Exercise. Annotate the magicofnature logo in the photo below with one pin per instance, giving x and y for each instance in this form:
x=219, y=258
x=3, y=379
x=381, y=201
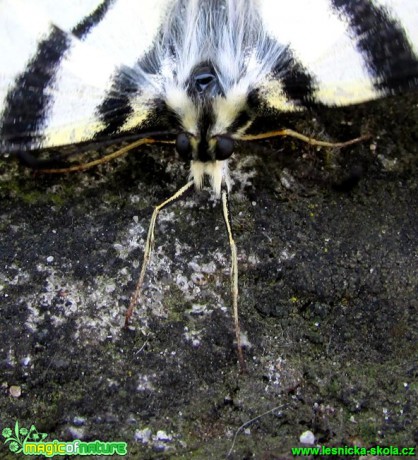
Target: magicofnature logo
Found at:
x=30, y=441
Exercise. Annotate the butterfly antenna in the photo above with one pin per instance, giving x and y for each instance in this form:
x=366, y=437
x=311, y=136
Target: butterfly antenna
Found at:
x=303, y=138
x=104, y=159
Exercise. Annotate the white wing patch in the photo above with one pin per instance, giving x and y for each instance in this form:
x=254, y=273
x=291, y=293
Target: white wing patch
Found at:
x=321, y=41
x=18, y=38
x=81, y=84
x=128, y=30
x=85, y=75
x=63, y=13
x=24, y=24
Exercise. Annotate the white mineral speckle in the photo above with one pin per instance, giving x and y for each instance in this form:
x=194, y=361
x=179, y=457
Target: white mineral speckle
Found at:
x=15, y=391
x=79, y=421
x=307, y=437
x=198, y=309
x=143, y=436
x=76, y=432
x=25, y=361
x=163, y=436
x=144, y=383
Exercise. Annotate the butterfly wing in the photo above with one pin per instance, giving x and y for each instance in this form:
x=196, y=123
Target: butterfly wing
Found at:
x=342, y=52
x=58, y=84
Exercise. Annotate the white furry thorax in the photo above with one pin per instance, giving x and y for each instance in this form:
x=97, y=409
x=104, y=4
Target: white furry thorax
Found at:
x=230, y=36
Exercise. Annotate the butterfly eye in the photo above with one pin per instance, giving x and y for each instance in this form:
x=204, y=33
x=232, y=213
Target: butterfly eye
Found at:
x=224, y=147
x=184, y=147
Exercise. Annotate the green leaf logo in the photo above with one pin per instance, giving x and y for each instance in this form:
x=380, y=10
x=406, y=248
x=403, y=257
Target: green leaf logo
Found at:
x=16, y=442
x=17, y=436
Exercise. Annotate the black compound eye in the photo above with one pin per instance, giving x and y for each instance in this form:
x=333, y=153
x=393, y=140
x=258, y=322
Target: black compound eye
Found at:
x=224, y=147
x=183, y=146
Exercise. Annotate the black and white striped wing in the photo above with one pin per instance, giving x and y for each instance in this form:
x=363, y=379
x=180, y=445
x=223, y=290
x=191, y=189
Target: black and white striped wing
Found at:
x=81, y=70
x=342, y=52
x=58, y=62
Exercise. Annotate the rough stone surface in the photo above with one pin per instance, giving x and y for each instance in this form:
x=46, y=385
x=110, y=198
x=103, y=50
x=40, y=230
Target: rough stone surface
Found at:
x=327, y=246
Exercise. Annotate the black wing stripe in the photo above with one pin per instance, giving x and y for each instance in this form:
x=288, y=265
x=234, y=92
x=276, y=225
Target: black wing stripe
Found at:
x=27, y=102
x=241, y=121
x=382, y=43
x=116, y=107
x=84, y=27
x=298, y=83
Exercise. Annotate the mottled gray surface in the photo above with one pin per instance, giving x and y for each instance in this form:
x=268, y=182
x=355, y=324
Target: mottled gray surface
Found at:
x=327, y=244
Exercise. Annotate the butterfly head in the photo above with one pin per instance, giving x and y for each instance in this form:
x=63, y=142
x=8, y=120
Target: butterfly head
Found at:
x=208, y=116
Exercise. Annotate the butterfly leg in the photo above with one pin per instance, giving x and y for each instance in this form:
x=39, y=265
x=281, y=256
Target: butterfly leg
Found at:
x=234, y=274
x=149, y=246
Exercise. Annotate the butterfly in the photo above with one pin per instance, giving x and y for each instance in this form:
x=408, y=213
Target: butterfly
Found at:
x=194, y=73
